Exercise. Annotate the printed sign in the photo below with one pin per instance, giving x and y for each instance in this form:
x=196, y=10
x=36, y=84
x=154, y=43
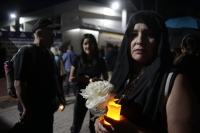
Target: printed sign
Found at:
x=12, y=41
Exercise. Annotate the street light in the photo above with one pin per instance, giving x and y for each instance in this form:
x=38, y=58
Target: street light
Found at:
x=12, y=15
x=115, y=5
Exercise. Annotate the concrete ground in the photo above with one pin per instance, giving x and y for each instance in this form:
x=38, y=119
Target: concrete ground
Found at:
x=9, y=114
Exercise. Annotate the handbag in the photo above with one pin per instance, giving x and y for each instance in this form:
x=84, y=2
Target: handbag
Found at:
x=62, y=68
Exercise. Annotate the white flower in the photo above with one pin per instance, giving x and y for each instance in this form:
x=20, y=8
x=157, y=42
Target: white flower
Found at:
x=98, y=94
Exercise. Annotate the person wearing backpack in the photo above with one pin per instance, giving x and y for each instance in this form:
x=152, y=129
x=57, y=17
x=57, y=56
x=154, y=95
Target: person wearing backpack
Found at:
x=37, y=88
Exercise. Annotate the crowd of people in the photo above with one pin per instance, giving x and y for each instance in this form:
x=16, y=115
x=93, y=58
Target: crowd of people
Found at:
x=139, y=70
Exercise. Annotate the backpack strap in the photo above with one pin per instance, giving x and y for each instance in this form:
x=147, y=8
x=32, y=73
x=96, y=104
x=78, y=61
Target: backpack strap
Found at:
x=167, y=85
x=32, y=51
x=14, y=56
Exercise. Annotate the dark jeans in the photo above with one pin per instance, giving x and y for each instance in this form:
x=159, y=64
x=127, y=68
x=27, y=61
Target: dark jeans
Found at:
x=40, y=123
x=42, y=118
x=80, y=111
x=68, y=85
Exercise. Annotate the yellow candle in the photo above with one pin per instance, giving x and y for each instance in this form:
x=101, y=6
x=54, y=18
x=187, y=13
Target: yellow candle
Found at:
x=113, y=111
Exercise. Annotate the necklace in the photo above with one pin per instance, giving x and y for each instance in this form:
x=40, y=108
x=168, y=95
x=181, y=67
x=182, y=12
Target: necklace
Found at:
x=131, y=86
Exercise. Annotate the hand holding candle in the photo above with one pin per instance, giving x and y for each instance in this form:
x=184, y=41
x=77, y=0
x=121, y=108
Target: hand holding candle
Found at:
x=120, y=126
x=113, y=111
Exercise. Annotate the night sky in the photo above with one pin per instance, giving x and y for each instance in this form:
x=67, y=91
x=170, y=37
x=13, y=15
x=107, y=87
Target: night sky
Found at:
x=167, y=8
x=24, y=6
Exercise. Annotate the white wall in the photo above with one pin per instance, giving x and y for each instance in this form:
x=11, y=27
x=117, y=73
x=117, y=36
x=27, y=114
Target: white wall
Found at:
x=106, y=37
x=96, y=8
x=71, y=37
x=104, y=23
x=93, y=32
x=70, y=20
x=27, y=27
x=12, y=28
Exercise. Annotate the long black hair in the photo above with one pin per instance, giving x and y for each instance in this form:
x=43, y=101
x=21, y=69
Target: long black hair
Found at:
x=95, y=53
x=191, y=45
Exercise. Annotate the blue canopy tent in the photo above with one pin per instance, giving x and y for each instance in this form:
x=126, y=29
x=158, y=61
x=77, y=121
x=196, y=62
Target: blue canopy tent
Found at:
x=183, y=22
x=180, y=27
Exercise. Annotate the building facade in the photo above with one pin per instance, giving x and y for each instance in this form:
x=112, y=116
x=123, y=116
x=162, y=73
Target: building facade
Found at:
x=76, y=18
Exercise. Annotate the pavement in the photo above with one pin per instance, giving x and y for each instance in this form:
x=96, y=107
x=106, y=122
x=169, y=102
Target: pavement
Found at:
x=9, y=114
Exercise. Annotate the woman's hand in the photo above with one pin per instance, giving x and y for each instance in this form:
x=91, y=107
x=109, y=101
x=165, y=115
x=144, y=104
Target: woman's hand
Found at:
x=98, y=126
x=122, y=126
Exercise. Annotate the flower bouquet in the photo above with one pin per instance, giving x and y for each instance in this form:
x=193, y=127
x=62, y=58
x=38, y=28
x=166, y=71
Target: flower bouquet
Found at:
x=99, y=96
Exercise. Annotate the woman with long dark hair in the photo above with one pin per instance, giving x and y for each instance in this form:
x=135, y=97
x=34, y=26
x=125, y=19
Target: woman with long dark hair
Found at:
x=189, y=62
x=139, y=78
x=189, y=46
x=87, y=67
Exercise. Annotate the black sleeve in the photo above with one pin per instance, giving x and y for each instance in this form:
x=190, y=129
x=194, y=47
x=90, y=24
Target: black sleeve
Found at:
x=76, y=61
x=22, y=64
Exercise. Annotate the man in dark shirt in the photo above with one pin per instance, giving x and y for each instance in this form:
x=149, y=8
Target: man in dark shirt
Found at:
x=36, y=83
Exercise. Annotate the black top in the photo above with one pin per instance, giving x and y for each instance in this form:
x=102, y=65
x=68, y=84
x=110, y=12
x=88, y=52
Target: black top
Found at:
x=38, y=72
x=88, y=69
x=190, y=66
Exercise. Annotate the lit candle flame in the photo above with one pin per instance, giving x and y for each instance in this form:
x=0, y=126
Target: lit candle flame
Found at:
x=61, y=107
x=113, y=112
